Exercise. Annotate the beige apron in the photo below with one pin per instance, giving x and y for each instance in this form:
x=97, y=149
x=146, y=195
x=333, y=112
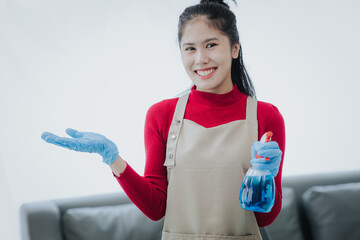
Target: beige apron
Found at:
x=205, y=168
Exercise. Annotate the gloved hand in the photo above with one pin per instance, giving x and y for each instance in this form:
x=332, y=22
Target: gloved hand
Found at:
x=270, y=150
x=85, y=142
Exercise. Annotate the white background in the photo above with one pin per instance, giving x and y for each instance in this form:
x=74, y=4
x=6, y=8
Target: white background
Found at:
x=98, y=66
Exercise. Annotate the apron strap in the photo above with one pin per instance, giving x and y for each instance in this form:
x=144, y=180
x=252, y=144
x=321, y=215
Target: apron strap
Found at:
x=251, y=109
x=174, y=130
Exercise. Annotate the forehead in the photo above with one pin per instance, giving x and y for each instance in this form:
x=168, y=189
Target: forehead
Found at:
x=199, y=29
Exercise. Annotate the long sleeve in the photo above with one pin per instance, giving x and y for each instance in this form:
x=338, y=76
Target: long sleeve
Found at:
x=270, y=119
x=148, y=192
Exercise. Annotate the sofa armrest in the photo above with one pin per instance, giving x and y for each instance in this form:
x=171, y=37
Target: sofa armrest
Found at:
x=40, y=220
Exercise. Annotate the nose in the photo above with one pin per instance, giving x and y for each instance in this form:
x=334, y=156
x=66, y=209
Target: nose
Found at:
x=201, y=57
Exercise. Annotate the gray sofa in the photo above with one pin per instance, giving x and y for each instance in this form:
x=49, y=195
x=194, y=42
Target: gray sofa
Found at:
x=318, y=206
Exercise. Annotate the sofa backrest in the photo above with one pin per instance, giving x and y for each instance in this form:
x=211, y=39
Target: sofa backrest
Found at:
x=121, y=222
x=296, y=221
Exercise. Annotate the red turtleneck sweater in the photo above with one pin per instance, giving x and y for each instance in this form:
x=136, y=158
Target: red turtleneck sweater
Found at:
x=148, y=192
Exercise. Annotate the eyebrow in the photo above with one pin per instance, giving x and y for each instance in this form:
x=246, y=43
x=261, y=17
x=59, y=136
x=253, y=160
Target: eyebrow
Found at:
x=205, y=41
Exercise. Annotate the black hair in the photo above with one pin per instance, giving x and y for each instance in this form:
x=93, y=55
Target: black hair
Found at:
x=223, y=19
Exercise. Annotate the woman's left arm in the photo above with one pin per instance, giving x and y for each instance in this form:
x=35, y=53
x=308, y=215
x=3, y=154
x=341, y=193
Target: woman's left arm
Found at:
x=270, y=119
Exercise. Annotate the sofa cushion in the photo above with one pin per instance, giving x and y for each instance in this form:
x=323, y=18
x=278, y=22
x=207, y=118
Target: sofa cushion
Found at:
x=333, y=211
x=110, y=222
x=286, y=225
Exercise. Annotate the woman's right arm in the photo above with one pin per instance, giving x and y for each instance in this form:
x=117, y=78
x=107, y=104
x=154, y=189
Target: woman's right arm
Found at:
x=148, y=192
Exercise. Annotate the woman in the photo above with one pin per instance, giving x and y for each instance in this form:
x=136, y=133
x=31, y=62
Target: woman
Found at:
x=199, y=146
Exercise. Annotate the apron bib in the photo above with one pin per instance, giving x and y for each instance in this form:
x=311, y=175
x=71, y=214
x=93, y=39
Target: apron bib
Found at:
x=205, y=169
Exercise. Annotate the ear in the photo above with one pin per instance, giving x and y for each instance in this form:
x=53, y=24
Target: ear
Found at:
x=235, y=50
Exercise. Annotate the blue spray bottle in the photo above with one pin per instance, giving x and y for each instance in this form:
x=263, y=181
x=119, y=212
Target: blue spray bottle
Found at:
x=257, y=191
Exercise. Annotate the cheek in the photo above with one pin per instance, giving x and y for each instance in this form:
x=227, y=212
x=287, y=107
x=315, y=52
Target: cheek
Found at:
x=225, y=61
x=222, y=56
x=187, y=63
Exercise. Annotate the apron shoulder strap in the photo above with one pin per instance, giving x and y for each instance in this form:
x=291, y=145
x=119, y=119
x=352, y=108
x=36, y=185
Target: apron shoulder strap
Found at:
x=174, y=130
x=251, y=109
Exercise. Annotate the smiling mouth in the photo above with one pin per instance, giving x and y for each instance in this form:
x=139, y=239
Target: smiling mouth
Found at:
x=206, y=73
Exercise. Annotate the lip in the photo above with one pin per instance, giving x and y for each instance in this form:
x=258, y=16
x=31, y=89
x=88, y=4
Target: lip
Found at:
x=205, y=69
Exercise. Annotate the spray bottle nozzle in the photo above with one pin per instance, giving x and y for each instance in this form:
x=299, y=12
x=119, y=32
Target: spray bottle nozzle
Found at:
x=264, y=139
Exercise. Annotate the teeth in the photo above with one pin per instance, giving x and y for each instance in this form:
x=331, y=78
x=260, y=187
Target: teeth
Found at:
x=205, y=73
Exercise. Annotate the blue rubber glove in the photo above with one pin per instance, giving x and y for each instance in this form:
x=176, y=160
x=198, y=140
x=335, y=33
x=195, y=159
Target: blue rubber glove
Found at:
x=270, y=150
x=85, y=142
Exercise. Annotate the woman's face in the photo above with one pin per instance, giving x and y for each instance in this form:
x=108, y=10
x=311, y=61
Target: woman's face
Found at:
x=207, y=55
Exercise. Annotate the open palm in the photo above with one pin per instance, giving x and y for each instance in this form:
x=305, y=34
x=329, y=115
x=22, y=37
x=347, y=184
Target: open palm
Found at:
x=85, y=142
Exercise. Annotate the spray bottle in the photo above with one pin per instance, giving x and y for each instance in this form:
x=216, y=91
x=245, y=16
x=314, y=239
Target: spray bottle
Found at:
x=257, y=191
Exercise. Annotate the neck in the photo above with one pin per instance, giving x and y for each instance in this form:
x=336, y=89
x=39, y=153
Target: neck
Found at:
x=213, y=100
x=222, y=89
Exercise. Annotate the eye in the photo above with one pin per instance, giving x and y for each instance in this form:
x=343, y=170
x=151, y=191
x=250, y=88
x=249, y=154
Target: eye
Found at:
x=189, y=49
x=210, y=45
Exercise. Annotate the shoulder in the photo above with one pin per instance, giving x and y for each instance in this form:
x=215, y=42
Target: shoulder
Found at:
x=159, y=117
x=270, y=119
x=163, y=108
x=268, y=111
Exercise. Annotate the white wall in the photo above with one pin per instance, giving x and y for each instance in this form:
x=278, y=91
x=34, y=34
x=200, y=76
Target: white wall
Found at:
x=98, y=66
